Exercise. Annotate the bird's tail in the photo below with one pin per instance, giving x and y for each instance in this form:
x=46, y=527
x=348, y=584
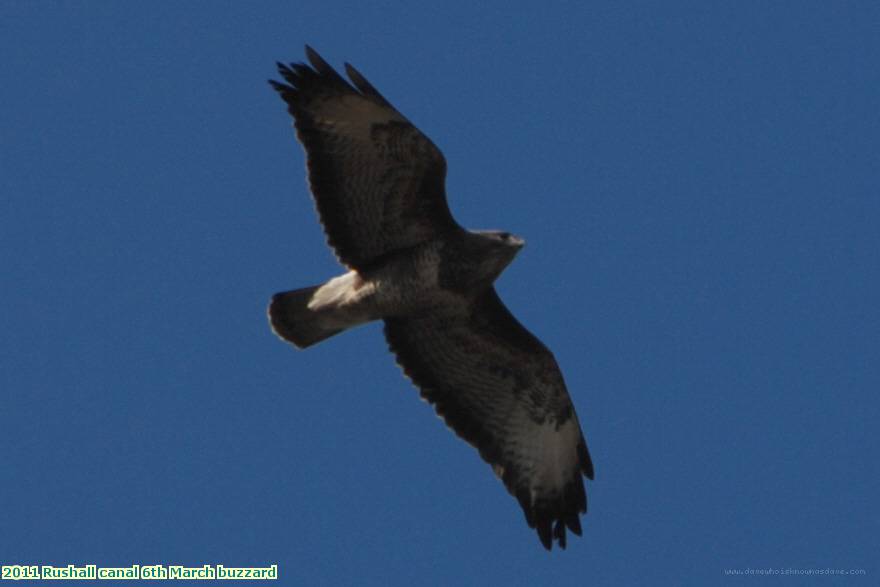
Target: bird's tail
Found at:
x=292, y=320
x=312, y=314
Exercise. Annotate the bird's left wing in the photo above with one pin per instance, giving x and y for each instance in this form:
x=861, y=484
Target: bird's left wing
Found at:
x=500, y=389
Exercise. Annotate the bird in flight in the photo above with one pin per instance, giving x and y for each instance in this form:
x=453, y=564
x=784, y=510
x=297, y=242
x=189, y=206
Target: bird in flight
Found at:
x=379, y=188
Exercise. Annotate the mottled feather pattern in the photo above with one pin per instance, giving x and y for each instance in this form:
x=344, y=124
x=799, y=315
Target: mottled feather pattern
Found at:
x=481, y=372
x=378, y=182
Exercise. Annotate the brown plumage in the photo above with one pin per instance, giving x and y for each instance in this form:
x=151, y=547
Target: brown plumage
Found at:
x=379, y=187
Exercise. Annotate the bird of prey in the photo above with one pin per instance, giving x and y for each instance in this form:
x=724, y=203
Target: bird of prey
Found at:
x=379, y=188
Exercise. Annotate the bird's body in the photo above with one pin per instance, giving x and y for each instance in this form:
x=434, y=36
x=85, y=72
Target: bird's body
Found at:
x=378, y=184
x=438, y=276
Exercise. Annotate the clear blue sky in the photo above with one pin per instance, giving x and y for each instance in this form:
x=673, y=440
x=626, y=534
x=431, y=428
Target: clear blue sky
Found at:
x=698, y=186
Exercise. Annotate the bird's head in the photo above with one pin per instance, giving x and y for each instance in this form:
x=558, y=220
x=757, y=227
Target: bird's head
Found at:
x=505, y=239
x=498, y=248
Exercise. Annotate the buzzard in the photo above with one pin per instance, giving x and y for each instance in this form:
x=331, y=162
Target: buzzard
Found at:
x=379, y=187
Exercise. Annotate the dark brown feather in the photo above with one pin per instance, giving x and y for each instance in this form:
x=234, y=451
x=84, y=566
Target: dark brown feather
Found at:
x=378, y=182
x=489, y=378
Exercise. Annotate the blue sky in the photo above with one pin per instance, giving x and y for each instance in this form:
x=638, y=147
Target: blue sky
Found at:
x=698, y=186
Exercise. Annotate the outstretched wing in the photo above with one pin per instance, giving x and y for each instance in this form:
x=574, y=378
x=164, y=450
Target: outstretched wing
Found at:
x=500, y=389
x=378, y=182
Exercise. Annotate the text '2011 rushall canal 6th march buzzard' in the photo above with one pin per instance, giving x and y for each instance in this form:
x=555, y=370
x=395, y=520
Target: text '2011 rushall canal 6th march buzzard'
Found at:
x=379, y=187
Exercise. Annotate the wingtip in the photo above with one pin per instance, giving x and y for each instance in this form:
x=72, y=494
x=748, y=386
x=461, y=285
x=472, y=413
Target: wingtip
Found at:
x=573, y=522
x=545, y=534
x=586, y=461
x=365, y=87
x=559, y=534
x=316, y=60
x=550, y=531
x=284, y=70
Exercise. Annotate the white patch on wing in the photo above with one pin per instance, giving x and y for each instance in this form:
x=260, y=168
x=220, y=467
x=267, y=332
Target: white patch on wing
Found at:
x=553, y=455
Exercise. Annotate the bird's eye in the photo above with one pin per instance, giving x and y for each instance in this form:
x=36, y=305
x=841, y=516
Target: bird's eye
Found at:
x=504, y=236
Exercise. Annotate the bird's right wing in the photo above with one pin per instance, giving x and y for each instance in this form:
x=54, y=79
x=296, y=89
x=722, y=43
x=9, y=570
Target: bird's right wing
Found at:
x=378, y=182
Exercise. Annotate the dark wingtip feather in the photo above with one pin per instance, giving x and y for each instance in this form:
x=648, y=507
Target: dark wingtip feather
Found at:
x=586, y=461
x=314, y=58
x=574, y=523
x=286, y=71
x=306, y=80
x=545, y=533
x=522, y=496
x=552, y=517
x=323, y=68
x=366, y=88
x=559, y=534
